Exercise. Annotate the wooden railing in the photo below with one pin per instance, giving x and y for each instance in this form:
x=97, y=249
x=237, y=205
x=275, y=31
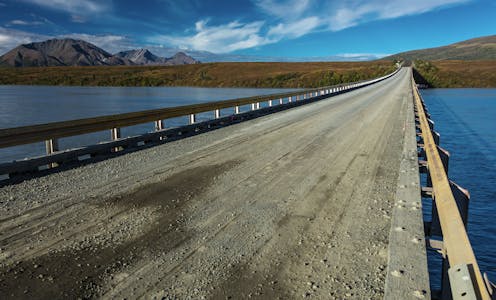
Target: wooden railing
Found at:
x=462, y=277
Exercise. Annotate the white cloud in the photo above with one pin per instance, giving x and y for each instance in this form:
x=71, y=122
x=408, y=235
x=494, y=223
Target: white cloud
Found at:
x=10, y=38
x=4, y=38
x=352, y=13
x=221, y=38
x=285, y=8
x=110, y=43
x=236, y=36
x=72, y=6
x=25, y=23
x=295, y=18
x=294, y=29
x=362, y=56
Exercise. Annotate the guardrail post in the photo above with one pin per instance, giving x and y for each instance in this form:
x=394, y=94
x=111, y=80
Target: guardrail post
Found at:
x=236, y=110
x=115, y=134
x=159, y=125
x=444, y=155
x=217, y=113
x=253, y=106
x=192, y=119
x=281, y=101
x=290, y=99
x=52, y=146
x=462, y=198
x=436, y=137
x=431, y=124
x=258, y=105
x=270, y=103
x=445, y=280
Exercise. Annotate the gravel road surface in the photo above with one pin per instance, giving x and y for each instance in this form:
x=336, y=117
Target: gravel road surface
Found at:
x=291, y=205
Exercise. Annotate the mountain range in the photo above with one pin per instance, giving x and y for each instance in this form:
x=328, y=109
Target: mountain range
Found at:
x=71, y=52
x=481, y=48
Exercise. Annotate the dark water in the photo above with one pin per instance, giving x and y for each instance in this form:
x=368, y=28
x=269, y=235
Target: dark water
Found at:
x=466, y=120
x=28, y=105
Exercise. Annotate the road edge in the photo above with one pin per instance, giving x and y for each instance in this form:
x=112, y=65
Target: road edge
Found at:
x=407, y=274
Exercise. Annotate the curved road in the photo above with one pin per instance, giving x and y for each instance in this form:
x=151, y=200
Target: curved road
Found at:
x=290, y=205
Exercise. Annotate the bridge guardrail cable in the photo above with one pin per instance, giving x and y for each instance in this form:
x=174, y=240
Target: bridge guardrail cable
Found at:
x=456, y=243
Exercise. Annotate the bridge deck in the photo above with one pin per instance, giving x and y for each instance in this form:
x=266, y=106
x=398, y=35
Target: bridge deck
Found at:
x=293, y=204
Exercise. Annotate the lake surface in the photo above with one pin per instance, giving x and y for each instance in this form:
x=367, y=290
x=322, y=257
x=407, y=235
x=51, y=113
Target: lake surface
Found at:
x=466, y=120
x=28, y=105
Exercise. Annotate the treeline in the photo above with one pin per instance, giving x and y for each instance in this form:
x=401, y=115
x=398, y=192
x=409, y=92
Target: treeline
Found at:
x=256, y=75
x=457, y=74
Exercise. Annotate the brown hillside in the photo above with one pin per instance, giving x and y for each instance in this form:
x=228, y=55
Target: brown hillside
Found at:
x=482, y=48
x=451, y=74
x=282, y=75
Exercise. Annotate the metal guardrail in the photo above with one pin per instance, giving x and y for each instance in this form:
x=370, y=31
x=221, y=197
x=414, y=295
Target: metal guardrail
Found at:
x=461, y=278
x=51, y=132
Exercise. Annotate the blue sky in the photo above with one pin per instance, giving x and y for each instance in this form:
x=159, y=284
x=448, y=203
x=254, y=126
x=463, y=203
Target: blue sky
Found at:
x=351, y=29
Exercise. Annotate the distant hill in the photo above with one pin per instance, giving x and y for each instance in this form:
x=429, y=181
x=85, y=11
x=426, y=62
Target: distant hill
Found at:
x=145, y=57
x=141, y=57
x=482, y=48
x=63, y=52
x=70, y=52
x=181, y=58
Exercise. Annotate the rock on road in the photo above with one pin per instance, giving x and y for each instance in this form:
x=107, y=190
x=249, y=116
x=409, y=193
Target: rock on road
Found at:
x=290, y=205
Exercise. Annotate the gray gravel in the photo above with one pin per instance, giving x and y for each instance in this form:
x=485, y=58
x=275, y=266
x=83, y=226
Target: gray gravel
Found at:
x=292, y=205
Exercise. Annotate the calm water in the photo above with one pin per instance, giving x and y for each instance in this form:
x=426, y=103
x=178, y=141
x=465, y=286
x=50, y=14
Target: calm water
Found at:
x=466, y=120
x=27, y=105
